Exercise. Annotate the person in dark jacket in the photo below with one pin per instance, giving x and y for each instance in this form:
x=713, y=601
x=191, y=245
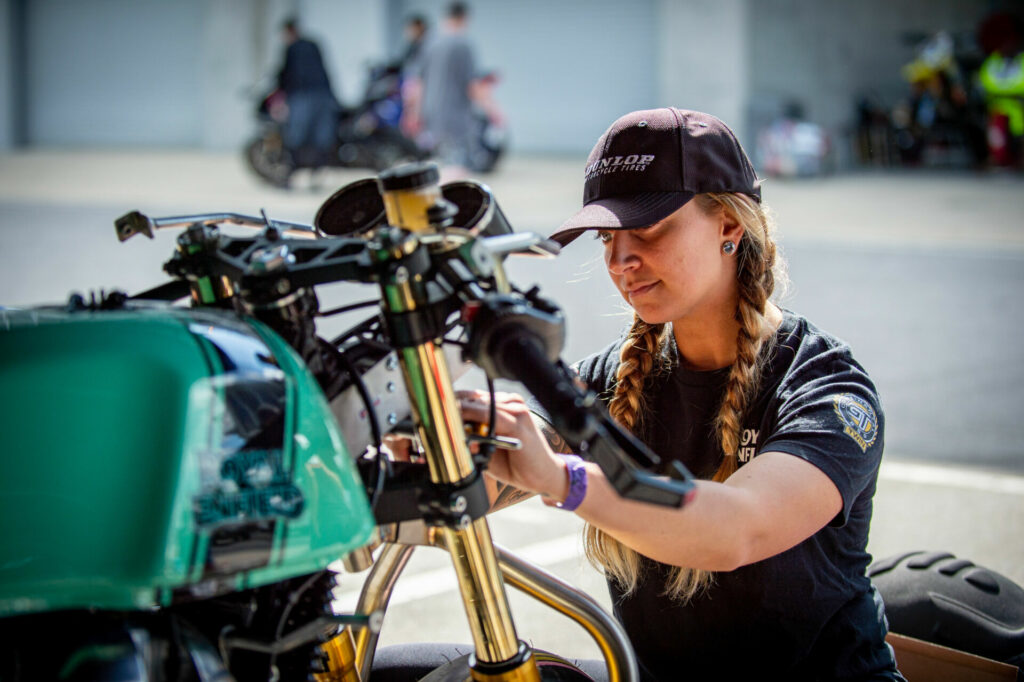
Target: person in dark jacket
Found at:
x=312, y=108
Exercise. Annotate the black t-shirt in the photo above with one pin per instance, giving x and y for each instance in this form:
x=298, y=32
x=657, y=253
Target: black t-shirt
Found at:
x=809, y=612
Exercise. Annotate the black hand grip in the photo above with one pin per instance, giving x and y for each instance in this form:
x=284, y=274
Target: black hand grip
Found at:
x=523, y=357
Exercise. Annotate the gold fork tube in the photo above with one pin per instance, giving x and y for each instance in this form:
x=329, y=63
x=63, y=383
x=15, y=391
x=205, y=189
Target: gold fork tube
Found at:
x=408, y=200
x=436, y=413
x=440, y=428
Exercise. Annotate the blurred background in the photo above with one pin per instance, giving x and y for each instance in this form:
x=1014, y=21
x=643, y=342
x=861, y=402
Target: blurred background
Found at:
x=885, y=82
x=889, y=133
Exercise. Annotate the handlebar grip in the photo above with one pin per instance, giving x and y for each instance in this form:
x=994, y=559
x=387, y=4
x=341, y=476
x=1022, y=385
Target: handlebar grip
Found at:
x=523, y=357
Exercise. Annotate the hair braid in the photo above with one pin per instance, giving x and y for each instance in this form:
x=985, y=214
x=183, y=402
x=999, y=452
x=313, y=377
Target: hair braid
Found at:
x=756, y=258
x=756, y=270
x=637, y=360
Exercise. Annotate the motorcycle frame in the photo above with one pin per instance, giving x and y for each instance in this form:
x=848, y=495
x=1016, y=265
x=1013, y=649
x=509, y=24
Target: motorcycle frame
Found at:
x=394, y=555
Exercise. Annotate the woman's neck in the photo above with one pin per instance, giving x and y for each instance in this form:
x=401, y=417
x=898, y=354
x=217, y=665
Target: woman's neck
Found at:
x=708, y=341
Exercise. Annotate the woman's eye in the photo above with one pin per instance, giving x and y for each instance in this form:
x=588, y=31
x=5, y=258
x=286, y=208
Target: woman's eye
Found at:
x=603, y=236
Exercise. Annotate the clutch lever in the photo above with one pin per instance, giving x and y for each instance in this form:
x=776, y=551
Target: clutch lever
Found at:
x=522, y=243
x=131, y=224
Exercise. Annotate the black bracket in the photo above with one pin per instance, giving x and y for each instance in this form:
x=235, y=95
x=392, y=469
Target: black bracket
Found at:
x=455, y=505
x=418, y=326
x=409, y=494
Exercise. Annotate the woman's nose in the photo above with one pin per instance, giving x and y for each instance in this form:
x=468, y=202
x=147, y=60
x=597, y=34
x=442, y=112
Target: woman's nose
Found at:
x=619, y=256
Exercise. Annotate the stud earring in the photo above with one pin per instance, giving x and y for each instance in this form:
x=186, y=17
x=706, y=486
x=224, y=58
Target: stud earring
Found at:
x=728, y=248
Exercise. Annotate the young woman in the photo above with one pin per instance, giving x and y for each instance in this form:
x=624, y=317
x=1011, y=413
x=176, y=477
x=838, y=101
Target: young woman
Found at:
x=762, y=575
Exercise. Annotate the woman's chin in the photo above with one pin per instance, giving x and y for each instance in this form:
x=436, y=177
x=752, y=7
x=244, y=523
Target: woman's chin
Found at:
x=651, y=315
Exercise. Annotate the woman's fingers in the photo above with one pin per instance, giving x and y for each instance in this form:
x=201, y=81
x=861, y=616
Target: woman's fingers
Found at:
x=399, y=446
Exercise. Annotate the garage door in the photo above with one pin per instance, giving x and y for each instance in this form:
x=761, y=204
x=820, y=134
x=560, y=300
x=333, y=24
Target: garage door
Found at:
x=113, y=72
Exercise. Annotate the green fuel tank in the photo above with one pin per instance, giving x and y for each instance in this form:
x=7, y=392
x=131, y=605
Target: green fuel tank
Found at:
x=157, y=453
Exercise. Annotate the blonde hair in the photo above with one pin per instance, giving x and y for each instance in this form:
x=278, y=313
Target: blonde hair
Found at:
x=758, y=269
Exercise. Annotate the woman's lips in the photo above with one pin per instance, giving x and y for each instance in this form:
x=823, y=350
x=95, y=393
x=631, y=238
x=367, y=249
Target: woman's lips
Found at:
x=639, y=290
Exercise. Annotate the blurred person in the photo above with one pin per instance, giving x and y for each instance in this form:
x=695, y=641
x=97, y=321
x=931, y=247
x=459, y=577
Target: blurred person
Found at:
x=1002, y=78
x=416, y=33
x=763, y=574
x=311, y=128
x=937, y=123
x=440, y=103
x=792, y=146
x=410, y=66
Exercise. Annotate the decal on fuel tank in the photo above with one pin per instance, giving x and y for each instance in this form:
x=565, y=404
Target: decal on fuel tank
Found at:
x=254, y=485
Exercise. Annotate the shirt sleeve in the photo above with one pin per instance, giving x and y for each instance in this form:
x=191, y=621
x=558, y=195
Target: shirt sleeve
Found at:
x=832, y=418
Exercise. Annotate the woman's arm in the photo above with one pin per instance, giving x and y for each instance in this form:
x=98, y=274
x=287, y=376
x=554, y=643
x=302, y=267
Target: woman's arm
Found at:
x=771, y=504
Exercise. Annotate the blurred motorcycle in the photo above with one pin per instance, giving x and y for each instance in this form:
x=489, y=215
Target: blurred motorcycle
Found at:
x=367, y=134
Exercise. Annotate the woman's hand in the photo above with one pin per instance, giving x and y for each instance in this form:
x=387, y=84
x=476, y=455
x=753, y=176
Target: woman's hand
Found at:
x=534, y=468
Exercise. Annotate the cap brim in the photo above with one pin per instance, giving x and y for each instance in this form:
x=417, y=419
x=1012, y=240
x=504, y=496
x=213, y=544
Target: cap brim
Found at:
x=621, y=213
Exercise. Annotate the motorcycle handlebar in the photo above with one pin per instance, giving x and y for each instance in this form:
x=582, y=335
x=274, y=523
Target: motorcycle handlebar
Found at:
x=514, y=340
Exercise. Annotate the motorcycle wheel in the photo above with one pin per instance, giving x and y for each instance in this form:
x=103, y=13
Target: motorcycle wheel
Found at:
x=552, y=668
x=270, y=160
x=488, y=147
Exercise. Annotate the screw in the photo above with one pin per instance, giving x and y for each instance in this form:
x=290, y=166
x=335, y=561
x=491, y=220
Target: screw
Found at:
x=459, y=504
x=392, y=418
x=392, y=387
x=376, y=621
x=465, y=522
x=391, y=363
x=401, y=274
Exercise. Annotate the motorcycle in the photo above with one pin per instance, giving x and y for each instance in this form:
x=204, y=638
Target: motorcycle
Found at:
x=177, y=481
x=367, y=135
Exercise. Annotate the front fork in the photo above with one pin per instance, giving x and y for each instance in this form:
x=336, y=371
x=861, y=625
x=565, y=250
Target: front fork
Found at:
x=411, y=202
x=498, y=652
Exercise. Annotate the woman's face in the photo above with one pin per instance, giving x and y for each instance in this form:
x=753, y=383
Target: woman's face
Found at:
x=675, y=270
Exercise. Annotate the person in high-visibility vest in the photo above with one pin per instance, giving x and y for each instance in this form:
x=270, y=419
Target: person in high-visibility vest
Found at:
x=1001, y=77
x=1003, y=81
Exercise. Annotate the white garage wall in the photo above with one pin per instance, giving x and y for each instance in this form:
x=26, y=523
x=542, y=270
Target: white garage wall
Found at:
x=568, y=67
x=114, y=72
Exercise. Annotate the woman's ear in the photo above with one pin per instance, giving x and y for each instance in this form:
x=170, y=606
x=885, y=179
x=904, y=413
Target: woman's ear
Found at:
x=732, y=230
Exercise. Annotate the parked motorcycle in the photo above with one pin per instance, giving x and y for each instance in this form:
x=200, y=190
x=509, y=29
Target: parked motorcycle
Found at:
x=368, y=135
x=176, y=480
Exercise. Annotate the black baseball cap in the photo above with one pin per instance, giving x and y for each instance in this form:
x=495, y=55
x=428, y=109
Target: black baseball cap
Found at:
x=649, y=163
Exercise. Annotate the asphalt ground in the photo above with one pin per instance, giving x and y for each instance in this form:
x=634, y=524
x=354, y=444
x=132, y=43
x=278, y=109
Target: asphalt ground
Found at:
x=920, y=271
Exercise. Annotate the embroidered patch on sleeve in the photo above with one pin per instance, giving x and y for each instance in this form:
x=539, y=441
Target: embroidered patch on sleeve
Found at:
x=858, y=419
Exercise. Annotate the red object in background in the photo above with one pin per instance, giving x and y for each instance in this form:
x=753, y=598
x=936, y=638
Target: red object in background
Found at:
x=998, y=135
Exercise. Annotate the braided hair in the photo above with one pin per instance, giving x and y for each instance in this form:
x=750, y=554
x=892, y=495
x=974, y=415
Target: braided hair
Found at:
x=757, y=268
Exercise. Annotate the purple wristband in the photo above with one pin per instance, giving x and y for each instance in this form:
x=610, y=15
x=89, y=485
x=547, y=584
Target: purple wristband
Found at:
x=577, y=483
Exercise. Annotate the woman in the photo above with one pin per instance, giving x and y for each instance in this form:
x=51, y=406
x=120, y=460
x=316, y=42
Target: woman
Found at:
x=762, y=576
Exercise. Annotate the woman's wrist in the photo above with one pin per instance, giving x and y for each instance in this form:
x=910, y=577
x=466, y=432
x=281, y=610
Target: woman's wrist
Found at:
x=573, y=486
